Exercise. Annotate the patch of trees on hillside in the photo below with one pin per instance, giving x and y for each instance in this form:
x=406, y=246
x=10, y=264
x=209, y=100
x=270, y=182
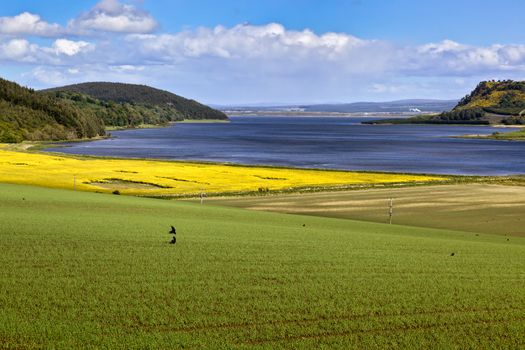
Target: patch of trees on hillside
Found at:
x=463, y=115
x=126, y=115
x=26, y=114
x=83, y=110
x=505, y=97
x=141, y=97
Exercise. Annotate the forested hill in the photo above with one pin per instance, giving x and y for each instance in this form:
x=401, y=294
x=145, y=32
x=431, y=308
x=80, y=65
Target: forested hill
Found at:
x=83, y=110
x=29, y=115
x=491, y=102
x=168, y=106
x=498, y=97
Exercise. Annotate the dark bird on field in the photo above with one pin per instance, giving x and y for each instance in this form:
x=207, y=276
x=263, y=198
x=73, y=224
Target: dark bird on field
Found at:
x=304, y=225
x=173, y=231
x=452, y=254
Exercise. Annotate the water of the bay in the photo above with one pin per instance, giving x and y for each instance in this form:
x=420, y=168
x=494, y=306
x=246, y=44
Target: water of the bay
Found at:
x=319, y=142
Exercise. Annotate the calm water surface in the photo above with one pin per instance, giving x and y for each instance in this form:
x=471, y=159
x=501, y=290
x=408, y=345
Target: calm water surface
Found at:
x=319, y=142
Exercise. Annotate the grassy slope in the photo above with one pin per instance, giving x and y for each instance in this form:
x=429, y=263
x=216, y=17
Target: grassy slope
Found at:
x=84, y=270
x=518, y=135
x=496, y=209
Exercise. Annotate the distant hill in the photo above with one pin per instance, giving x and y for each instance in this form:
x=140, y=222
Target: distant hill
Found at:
x=388, y=107
x=140, y=104
x=123, y=115
x=401, y=106
x=497, y=98
x=491, y=102
x=26, y=114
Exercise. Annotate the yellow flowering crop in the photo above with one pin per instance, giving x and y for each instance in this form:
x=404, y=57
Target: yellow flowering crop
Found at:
x=153, y=177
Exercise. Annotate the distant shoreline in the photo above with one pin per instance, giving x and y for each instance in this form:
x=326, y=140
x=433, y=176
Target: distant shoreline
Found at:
x=157, y=126
x=518, y=135
x=317, y=114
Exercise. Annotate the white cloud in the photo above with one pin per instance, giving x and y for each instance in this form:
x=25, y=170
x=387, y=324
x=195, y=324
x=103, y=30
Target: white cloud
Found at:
x=441, y=47
x=288, y=65
x=106, y=16
x=251, y=62
x=28, y=24
x=17, y=50
x=61, y=53
x=71, y=48
x=49, y=77
x=452, y=57
x=127, y=68
x=513, y=53
x=247, y=41
x=273, y=47
x=112, y=16
x=45, y=75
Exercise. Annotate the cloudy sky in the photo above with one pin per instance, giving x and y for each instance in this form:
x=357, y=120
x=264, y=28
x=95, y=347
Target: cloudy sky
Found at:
x=272, y=51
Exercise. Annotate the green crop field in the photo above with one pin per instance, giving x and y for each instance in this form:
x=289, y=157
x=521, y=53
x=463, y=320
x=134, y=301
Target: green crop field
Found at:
x=87, y=270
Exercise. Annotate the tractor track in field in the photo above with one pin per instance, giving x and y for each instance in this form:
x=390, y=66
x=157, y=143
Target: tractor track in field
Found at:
x=240, y=325
x=406, y=328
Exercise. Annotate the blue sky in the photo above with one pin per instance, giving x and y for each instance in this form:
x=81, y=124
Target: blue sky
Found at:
x=231, y=52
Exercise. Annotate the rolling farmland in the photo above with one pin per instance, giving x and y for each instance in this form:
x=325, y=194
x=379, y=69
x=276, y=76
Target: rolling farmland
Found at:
x=88, y=270
x=488, y=208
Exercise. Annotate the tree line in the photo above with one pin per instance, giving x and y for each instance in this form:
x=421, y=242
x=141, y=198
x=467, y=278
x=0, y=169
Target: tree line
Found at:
x=76, y=112
x=26, y=114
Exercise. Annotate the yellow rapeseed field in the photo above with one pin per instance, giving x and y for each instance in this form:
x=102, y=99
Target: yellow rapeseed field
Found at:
x=159, y=178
